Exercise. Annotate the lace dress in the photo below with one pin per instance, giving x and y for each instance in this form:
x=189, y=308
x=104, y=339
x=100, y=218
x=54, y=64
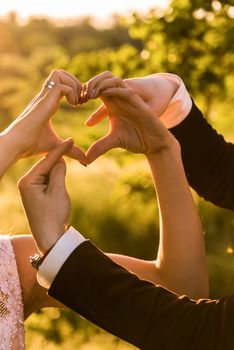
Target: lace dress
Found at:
x=11, y=306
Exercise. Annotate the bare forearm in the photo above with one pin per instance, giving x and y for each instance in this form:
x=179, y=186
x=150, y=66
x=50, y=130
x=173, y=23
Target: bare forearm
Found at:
x=8, y=154
x=144, y=269
x=181, y=254
x=34, y=296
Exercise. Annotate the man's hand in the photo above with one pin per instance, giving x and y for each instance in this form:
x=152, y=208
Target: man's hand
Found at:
x=154, y=89
x=32, y=132
x=133, y=124
x=45, y=198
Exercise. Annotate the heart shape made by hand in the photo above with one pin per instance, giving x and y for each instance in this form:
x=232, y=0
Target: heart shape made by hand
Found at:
x=132, y=107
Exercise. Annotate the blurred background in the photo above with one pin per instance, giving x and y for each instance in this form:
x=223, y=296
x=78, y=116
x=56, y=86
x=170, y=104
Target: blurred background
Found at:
x=113, y=200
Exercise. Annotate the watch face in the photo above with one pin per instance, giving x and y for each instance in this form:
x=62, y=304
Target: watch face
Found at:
x=35, y=260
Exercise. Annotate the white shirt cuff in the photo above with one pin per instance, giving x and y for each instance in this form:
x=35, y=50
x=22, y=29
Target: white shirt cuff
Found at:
x=53, y=262
x=180, y=104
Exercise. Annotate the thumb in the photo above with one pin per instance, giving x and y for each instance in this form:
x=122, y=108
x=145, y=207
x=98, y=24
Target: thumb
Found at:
x=44, y=166
x=97, y=116
x=101, y=146
x=37, y=175
x=57, y=177
x=76, y=153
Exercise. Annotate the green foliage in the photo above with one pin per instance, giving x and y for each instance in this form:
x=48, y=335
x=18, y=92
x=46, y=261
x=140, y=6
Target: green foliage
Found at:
x=53, y=329
x=85, y=66
x=194, y=40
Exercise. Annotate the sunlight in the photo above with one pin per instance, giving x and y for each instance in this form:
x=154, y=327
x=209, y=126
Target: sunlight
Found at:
x=61, y=9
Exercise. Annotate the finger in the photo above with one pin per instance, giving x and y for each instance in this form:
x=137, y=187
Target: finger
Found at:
x=76, y=81
x=88, y=86
x=129, y=100
x=57, y=177
x=77, y=154
x=32, y=102
x=83, y=98
x=60, y=77
x=45, y=104
x=44, y=166
x=74, y=78
x=65, y=85
x=122, y=93
x=97, y=116
x=101, y=146
x=96, y=90
x=66, y=79
x=52, y=96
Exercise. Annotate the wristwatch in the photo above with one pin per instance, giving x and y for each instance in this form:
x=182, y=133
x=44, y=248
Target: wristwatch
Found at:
x=36, y=260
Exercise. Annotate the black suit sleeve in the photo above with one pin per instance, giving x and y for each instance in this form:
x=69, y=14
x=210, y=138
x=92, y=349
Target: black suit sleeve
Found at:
x=208, y=159
x=147, y=316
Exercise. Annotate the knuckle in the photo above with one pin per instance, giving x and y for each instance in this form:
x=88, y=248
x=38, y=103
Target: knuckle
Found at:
x=69, y=89
x=55, y=73
x=23, y=183
x=88, y=85
x=108, y=73
x=130, y=92
x=92, y=81
x=118, y=80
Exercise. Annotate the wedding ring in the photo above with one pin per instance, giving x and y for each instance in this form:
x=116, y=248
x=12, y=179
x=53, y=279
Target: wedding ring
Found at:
x=50, y=84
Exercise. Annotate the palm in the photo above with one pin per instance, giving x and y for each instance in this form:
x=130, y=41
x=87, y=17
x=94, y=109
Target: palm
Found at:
x=125, y=134
x=47, y=139
x=125, y=130
x=132, y=107
x=42, y=139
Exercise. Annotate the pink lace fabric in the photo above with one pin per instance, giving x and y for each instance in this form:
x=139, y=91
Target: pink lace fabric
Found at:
x=11, y=306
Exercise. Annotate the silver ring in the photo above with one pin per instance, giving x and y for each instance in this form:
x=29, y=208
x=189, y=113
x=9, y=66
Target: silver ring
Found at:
x=50, y=84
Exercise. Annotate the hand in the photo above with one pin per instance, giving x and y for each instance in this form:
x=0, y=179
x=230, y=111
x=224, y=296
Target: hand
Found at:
x=133, y=124
x=154, y=89
x=32, y=132
x=45, y=199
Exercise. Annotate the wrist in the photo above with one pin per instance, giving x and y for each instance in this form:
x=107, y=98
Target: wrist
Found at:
x=48, y=238
x=37, y=259
x=7, y=142
x=166, y=146
x=9, y=153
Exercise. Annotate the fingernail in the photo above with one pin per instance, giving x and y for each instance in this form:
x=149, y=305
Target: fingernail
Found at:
x=68, y=139
x=92, y=92
x=85, y=165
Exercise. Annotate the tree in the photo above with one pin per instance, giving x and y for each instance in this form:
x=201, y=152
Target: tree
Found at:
x=193, y=39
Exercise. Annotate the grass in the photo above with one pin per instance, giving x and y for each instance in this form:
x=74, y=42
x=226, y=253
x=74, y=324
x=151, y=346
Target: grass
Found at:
x=50, y=330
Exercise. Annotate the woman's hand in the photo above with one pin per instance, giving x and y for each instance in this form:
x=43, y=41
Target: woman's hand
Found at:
x=32, y=132
x=45, y=198
x=133, y=124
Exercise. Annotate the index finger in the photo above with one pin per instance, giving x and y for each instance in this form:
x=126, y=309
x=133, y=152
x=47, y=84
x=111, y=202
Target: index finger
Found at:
x=44, y=166
x=62, y=78
x=88, y=86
